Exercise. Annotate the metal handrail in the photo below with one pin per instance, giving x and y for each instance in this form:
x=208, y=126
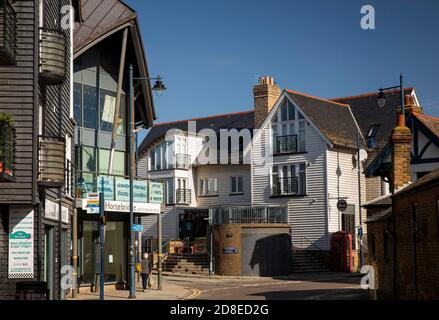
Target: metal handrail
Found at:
x=9, y=26
x=182, y=161
x=183, y=196
x=311, y=242
x=286, y=186
x=286, y=144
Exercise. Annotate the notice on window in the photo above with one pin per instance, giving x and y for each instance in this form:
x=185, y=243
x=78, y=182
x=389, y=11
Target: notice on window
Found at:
x=108, y=111
x=21, y=243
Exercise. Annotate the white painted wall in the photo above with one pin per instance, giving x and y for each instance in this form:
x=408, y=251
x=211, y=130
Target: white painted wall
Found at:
x=224, y=173
x=306, y=214
x=344, y=186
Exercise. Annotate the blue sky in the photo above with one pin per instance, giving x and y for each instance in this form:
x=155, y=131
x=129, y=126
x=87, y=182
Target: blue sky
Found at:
x=210, y=53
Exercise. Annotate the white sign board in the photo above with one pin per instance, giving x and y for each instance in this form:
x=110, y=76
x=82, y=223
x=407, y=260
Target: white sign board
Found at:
x=65, y=215
x=51, y=210
x=122, y=206
x=21, y=243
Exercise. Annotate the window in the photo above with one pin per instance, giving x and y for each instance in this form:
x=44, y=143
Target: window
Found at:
x=289, y=179
x=160, y=157
x=77, y=103
x=108, y=107
x=371, y=136
x=90, y=107
x=236, y=185
x=169, y=191
x=208, y=187
x=288, y=130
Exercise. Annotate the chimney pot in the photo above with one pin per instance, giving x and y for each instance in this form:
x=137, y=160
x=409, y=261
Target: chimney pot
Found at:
x=266, y=94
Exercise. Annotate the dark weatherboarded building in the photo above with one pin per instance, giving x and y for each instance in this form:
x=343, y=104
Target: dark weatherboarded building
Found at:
x=36, y=196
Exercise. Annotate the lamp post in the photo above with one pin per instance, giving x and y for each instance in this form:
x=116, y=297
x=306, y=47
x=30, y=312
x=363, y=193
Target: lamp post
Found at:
x=159, y=87
x=382, y=95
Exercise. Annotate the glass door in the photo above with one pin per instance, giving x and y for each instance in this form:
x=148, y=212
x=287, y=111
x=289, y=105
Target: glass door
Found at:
x=48, y=260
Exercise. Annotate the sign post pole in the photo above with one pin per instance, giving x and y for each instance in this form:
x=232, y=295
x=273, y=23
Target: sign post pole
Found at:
x=102, y=239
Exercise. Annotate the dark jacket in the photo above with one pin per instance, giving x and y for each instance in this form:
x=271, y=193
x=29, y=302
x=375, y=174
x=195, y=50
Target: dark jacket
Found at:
x=146, y=267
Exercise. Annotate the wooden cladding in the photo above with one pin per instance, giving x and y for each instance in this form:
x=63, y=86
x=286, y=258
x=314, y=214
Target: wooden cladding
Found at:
x=8, y=33
x=51, y=161
x=52, y=56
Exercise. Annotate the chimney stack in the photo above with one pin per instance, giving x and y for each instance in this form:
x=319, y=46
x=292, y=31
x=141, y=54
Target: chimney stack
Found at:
x=266, y=93
x=402, y=145
x=410, y=105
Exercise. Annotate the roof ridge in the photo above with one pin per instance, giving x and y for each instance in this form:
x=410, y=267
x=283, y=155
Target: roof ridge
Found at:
x=316, y=98
x=204, y=118
x=369, y=94
x=422, y=115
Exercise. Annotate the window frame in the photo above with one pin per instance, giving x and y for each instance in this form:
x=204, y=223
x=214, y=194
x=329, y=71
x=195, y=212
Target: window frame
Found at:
x=204, y=187
x=302, y=186
x=236, y=185
x=294, y=125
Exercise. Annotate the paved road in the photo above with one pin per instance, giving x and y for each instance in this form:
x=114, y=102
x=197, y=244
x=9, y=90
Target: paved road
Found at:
x=325, y=286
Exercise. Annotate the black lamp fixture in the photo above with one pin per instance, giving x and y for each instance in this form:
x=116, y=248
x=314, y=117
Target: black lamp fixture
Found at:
x=159, y=87
x=382, y=96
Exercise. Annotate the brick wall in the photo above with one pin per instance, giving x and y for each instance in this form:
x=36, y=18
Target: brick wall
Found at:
x=383, y=264
x=427, y=244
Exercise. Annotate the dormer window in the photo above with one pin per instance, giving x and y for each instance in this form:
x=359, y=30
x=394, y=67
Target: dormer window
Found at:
x=288, y=130
x=371, y=136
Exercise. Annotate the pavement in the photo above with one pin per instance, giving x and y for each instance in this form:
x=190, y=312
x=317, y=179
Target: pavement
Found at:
x=171, y=291
x=307, y=286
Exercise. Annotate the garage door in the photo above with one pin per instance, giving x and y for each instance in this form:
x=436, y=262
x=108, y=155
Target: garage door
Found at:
x=265, y=252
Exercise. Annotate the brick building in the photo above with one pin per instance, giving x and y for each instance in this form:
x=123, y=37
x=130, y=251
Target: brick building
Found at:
x=404, y=227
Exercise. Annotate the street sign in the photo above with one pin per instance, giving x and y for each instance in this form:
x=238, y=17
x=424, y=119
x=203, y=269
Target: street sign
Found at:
x=137, y=228
x=92, y=203
x=342, y=205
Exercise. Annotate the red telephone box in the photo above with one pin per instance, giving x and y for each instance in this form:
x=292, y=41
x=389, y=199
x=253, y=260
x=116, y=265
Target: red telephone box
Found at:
x=341, y=252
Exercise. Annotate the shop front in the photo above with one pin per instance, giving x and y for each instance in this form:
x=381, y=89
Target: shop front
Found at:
x=147, y=201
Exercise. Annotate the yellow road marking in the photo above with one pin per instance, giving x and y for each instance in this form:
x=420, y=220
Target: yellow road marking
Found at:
x=195, y=293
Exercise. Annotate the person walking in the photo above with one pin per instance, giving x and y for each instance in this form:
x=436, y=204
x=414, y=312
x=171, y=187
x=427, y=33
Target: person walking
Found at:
x=145, y=272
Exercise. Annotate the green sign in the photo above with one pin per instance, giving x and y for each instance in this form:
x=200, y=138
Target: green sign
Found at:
x=106, y=185
x=140, y=191
x=122, y=190
x=140, y=194
x=156, y=192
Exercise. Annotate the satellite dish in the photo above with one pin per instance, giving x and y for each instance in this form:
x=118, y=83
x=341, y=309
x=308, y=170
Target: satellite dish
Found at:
x=363, y=155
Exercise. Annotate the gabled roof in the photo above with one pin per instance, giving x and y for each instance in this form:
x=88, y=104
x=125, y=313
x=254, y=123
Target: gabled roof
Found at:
x=238, y=120
x=430, y=122
x=100, y=17
x=334, y=120
x=367, y=113
x=104, y=18
x=432, y=177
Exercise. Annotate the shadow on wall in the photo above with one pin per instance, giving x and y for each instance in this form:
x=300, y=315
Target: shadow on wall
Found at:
x=271, y=256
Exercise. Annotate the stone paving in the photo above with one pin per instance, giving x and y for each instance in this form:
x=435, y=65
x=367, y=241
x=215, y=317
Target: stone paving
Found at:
x=171, y=291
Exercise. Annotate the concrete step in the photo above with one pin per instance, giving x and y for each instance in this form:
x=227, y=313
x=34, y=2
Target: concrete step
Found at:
x=304, y=262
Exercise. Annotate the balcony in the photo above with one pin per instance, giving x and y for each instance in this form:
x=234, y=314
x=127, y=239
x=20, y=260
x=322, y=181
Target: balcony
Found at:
x=285, y=145
x=52, y=56
x=249, y=215
x=8, y=33
x=182, y=161
x=285, y=186
x=51, y=162
x=7, y=150
x=183, y=196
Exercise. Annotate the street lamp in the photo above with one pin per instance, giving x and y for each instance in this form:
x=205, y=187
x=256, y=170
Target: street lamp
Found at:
x=159, y=87
x=382, y=98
